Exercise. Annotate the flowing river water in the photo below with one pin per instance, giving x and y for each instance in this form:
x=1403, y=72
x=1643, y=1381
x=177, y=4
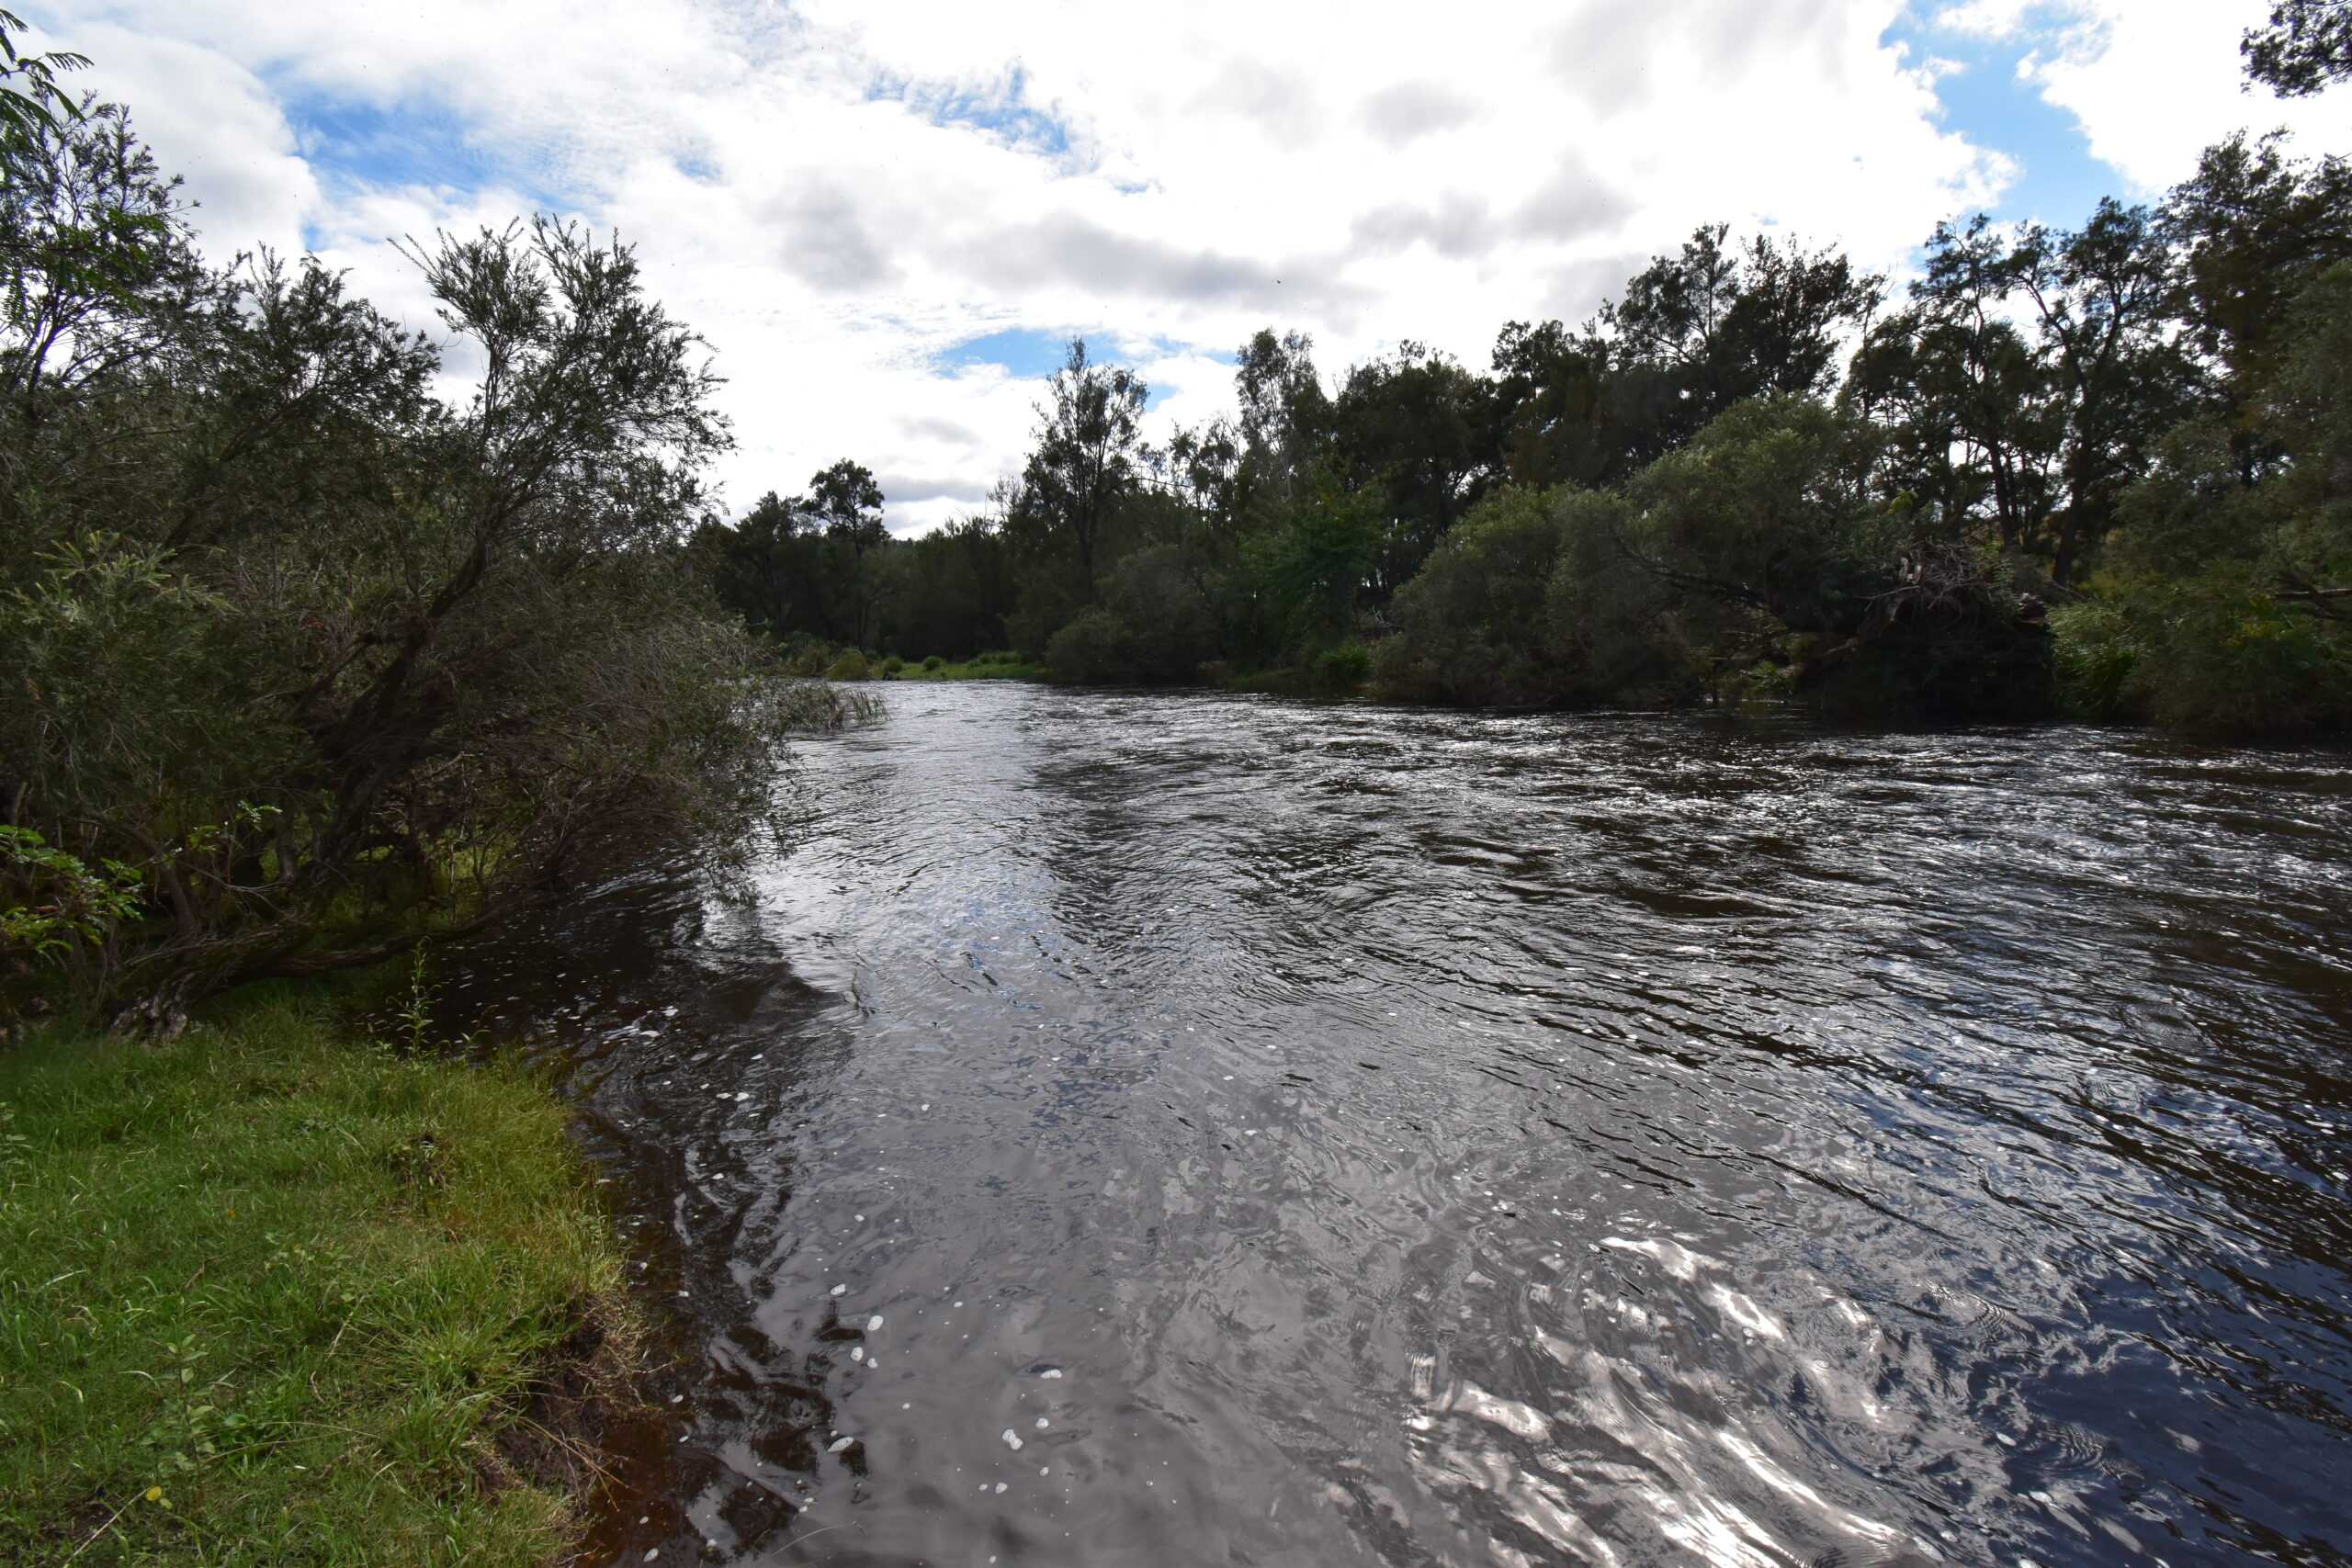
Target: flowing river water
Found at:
x=1186, y=1129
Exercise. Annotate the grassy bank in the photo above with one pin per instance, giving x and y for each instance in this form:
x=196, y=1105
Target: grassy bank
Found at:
x=269, y=1295
x=987, y=667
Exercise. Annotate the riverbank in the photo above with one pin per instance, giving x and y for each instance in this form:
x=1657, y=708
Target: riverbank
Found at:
x=270, y=1294
x=1006, y=666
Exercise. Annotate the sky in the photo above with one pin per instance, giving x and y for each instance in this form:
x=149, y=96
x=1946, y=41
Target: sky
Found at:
x=889, y=218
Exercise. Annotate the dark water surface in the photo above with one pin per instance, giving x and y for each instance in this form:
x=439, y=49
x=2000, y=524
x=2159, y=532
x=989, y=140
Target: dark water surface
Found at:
x=1185, y=1130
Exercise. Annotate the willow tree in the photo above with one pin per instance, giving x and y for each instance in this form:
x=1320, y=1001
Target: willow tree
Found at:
x=320, y=661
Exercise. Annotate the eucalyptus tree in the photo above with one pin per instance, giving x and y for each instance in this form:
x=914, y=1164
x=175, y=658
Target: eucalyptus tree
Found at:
x=766, y=568
x=845, y=504
x=1957, y=382
x=2116, y=374
x=1411, y=432
x=1718, y=323
x=1089, y=454
x=1287, y=421
x=1691, y=334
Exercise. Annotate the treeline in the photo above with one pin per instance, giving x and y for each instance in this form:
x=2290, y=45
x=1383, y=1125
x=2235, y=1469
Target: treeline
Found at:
x=297, y=660
x=2105, y=470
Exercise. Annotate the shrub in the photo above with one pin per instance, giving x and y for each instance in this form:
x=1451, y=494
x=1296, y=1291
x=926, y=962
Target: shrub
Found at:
x=1343, y=669
x=1169, y=627
x=1497, y=617
x=2098, y=652
x=310, y=637
x=1094, y=649
x=849, y=666
x=893, y=664
x=2230, y=659
x=933, y=661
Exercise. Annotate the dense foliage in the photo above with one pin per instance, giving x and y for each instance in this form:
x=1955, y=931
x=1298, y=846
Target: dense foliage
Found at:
x=2106, y=470
x=299, y=658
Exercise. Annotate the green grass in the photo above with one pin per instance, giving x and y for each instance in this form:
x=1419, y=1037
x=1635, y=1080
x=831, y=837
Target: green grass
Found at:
x=269, y=1295
x=985, y=667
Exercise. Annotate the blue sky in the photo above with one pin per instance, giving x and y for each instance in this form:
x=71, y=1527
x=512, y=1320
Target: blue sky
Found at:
x=2058, y=180
x=888, y=221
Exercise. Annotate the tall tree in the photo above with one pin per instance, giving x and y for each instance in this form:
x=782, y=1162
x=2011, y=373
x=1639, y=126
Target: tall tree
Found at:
x=1412, y=430
x=1089, y=453
x=1286, y=415
x=766, y=568
x=844, y=501
x=2250, y=230
x=1724, y=323
x=1957, y=383
x=2307, y=46
x=1694, y=332
x=2117, y=375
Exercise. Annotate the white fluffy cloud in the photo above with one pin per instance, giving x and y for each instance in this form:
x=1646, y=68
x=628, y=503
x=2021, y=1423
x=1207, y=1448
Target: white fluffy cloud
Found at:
x=837, y=194
x=2152, y=81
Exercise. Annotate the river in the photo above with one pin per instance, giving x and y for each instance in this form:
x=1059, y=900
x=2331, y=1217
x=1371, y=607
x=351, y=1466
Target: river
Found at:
x=1111, y=1129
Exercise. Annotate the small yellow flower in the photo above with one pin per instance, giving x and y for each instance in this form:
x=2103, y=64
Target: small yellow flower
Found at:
x=154, y=1493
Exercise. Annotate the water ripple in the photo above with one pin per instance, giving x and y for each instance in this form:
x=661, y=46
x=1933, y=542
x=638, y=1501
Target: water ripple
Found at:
x=1171, y=1129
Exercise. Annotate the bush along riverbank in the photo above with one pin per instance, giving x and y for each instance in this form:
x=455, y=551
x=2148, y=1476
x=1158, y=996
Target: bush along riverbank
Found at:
x=270, y=1294
x=316, y=661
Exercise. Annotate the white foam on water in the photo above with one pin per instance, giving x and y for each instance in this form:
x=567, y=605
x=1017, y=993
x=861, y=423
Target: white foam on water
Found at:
x=1673, y=1257
x=1745, y=1313
x=1523, y=1420
x=1762, y=1466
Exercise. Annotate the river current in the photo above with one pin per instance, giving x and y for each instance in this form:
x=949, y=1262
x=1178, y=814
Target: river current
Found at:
x=1179, y=1130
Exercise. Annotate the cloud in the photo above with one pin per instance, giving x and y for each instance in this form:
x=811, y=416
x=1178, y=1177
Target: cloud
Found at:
x=932, y=428
x=1072, y=248
x=823, y=239
x=1408, y=111
x=2150, y=85
x=837, y=195
x=214, y=122
x=1279, y=101
x=1456, y=226
x=910, y=488
x=1572, y=201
